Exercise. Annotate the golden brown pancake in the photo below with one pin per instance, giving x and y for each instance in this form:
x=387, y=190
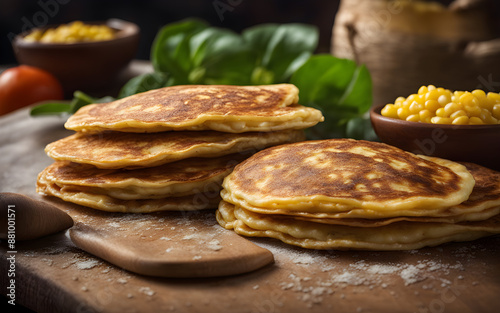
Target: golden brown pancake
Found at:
x=132, y=150
x=483, y=203
x=101, y=202
x=233, y=109
x=358, y=179
x=175, y=179
x=395, y=236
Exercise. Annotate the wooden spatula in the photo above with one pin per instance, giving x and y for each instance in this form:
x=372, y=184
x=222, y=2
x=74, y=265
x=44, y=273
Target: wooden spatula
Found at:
x=163, y=245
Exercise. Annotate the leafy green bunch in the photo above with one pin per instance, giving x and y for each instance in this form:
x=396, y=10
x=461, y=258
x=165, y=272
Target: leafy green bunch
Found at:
x=193, y=52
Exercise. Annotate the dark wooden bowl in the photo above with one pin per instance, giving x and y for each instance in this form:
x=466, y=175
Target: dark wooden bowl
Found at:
x=469, y=143
x=86, y=66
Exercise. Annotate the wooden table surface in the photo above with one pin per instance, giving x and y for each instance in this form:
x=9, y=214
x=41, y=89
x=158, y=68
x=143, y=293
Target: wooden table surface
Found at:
x=52, y=275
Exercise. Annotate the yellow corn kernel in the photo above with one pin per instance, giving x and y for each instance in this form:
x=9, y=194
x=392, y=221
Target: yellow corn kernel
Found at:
x=399, y=100
x=423, y=90
x=472, y=110
x=441, y=120
x=461, y=120
x=496, y=111
x=458, y=114
x=451, y=108
x=479, y=94
x=475, y=121
x=486, y=116
x=403, y=113
x=441, y=113
x=444, y=99
x=412, y=97
x=424, y=115
x=493, y=97
x=415, y=107
x=432, y=105
x=413, y=118
x=76, y=32
x=467, y=99
x=443, y=106
x=390, y=111
x=34, y=35
x=432, y=95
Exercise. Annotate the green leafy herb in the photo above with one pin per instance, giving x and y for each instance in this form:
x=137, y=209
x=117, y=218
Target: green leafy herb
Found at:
x=339, y=88
x=145, y=82
x=194, y=53
x=80, y=99
x=280, y=50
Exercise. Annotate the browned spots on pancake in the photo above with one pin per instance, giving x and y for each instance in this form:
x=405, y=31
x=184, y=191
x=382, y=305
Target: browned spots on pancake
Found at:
x=183, y=103
x=189, y=170
x=487, y=186
x=133, y=145
x=127, y=149
x=334, y=168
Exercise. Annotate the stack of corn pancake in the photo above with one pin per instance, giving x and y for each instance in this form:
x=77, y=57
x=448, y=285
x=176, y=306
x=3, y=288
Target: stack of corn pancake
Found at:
x=169, y=148
x=348, y=194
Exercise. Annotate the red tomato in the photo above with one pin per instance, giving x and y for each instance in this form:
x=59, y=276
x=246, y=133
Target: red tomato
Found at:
x=24, y=85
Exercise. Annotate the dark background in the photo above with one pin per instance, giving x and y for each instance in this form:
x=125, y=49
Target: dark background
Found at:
x=20, y=15
x=151, y=15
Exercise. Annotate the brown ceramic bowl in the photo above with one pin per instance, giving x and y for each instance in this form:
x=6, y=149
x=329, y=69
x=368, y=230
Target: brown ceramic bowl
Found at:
x=469, y=143
x=86, y=66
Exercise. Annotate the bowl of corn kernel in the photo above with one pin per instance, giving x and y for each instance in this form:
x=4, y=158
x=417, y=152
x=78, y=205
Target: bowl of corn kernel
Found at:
x=456, y=125
x=87, y=56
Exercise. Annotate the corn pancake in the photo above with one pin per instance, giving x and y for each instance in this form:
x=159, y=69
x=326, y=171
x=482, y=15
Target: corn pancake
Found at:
x=179, y=178
x=348, y=178
x=224, y=108
x=194, y=202
x=365, y=222
x=132, y=150
x=395, y=236
x=483, y=203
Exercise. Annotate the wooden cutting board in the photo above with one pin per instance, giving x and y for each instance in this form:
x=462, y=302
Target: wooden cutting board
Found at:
x=53, y=275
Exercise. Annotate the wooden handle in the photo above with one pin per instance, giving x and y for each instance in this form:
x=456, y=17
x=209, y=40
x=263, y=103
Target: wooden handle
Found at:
x=174, y=258
x=24, y=218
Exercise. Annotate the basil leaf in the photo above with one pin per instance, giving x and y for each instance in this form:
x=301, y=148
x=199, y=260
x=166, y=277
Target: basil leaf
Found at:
x=50, y=108
x=219, y=56
x=341, y=90
x=170, y=52
x=358, y=93
x=143, y=83
x=81, y=99
x=281, y=50
x=360, y=128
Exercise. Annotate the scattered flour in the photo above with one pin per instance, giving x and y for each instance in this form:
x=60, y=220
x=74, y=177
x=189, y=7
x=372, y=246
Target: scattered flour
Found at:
x=214, y=244
x=147, y=291
x=364, y=271
x=86, y=265
x=122, y=280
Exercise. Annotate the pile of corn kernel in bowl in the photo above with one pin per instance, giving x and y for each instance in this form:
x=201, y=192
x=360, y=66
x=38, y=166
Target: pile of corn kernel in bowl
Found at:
x=443, y=106
x=76, y=31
